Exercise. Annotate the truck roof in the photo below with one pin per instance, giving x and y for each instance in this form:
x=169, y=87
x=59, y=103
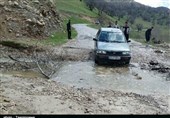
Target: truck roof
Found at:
x=110, y=29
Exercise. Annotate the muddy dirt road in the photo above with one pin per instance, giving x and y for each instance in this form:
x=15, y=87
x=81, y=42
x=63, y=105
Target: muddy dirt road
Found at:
x=84, y=73
x=81, y=87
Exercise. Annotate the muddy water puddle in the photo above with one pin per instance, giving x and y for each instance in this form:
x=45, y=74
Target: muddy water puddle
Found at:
x=126, y=79
x=23, y=74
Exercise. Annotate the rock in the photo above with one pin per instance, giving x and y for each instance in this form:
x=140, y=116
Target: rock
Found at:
x=164, y=45
x=164, y=70
x=36, y=1
x=157, y=67
x=58, y=96
x=25, y=2
x=10, y=2
x=157, y=42
x=134, y=74
x=139, y=78
x=16, y=3
x=110, y=102
x=144, y=66
x=7, y=18
x=78, y=99
x=32, y=86
x=153, y=62
x=4, y=109
x=41, y=23
x=168, y=77
x=70, y=107
x=17, y=35
x=89, y=99
x=28, y=20
x=10, y=31
x=87, y=110
x=159, y=51
x=5, y=100
x=2, y=66
x=160, y=68
x=52, y=36
x=7, y=9
x=34, y=20
x=9, y=105
x=29, y=8
x=41, y=15
x=134, y=65
x=2, y=3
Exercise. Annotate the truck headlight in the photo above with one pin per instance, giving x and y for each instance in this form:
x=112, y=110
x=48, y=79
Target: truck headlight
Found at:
x=126, y=53
x=101, y=52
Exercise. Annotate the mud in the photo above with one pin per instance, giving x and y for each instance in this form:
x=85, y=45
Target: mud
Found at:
x=125, y=79
x=40, y=96
x=81, y=87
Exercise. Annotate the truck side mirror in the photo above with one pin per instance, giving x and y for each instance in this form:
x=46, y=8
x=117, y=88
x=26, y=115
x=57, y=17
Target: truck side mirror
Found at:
x=129, y=41
x=94, y=39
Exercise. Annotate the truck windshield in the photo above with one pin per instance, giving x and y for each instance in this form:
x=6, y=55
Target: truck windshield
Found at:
x=114, y=37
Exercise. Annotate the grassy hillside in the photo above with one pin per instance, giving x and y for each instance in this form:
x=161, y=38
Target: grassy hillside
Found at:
x=74, y=7
x=78, y=12
x=159, y=32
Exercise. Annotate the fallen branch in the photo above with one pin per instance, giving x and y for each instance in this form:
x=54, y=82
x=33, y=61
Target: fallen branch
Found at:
x=44, y=63
x=12, y=58
x=42, y=72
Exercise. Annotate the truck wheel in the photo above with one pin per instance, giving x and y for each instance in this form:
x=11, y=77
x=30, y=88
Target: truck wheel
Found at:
x=127, y=62
x=96, y=61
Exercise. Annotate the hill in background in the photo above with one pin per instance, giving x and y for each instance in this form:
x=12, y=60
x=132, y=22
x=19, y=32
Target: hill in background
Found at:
x=48, y=18
x=139, y=16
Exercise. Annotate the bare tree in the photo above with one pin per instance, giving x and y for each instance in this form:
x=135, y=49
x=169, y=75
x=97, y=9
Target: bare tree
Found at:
x=139, y=27
x=90, y=4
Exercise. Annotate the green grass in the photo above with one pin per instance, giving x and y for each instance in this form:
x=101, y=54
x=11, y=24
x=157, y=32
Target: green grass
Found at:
x=16, y=45
x=73, y=10
x=159, y=32
x=144, y=23
x=59, y=38
x=76, y=20
x=74, y=7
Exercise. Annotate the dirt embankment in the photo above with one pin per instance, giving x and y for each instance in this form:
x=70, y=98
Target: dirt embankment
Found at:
x=28, y=18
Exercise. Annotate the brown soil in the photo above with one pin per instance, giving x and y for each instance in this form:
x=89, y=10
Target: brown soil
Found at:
x=28, y=18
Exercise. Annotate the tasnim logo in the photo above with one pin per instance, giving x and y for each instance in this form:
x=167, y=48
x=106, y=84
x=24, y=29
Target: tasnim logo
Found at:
x=19, y=117
x=7, y=117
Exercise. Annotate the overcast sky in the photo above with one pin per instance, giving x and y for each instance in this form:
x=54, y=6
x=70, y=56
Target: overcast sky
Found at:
x=155, y=3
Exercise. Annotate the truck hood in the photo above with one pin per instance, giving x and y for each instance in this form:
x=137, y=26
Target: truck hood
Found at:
x=113, y=46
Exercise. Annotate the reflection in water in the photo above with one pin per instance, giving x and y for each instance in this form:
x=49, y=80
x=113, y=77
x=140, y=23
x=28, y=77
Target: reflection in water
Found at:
x=24, y=74
x=89, y=75
x=108, y=70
